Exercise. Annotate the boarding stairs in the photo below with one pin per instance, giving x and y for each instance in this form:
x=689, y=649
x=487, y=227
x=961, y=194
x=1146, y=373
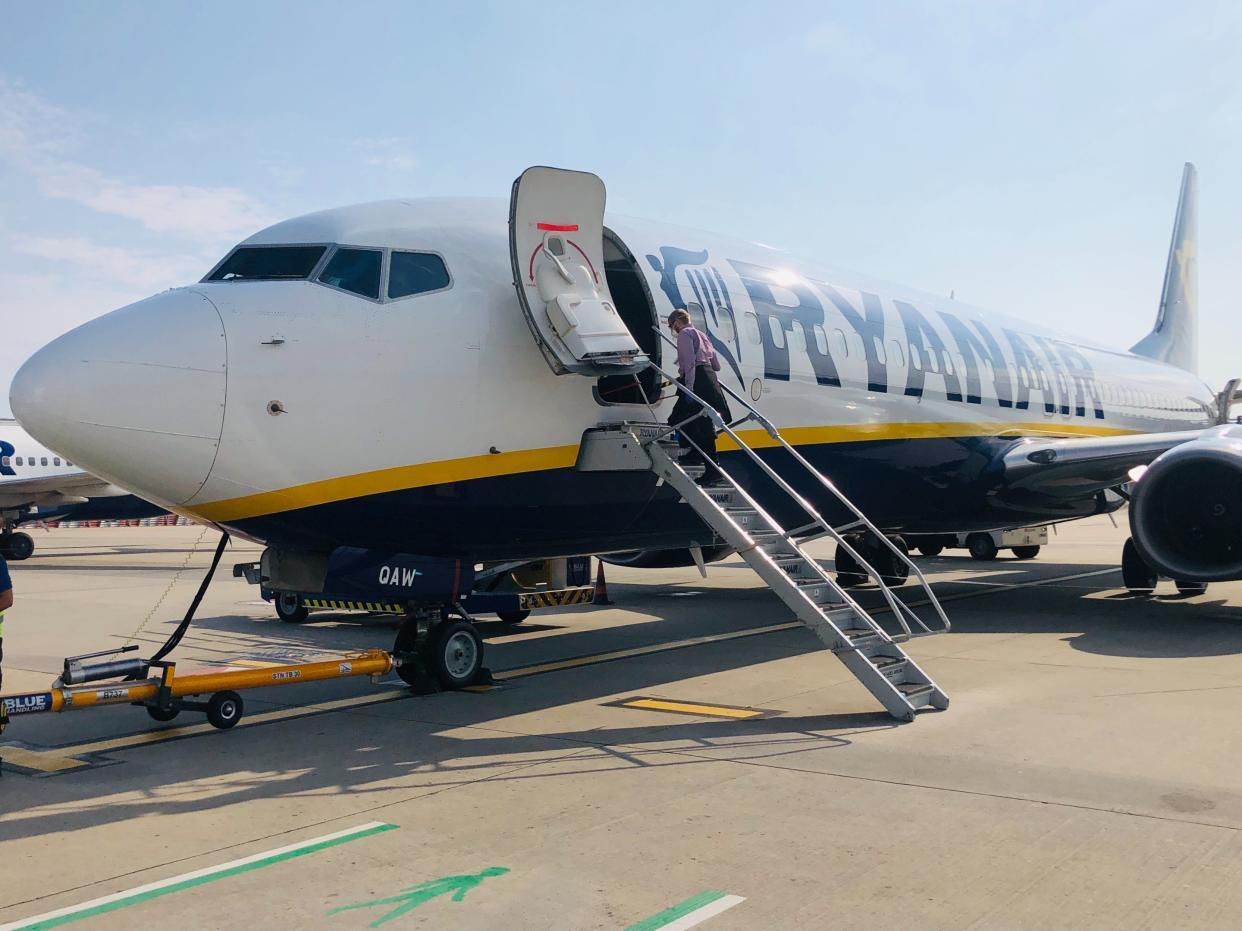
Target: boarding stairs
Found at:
x=778, y=554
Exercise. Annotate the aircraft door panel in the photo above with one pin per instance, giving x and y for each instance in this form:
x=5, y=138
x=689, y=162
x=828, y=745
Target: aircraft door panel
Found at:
x=556, y=244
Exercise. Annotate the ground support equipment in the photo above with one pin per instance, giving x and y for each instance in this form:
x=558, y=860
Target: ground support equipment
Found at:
x=214, y=692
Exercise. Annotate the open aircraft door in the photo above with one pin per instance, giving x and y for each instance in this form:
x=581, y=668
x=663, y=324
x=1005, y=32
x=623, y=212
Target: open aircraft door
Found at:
x=556, y=242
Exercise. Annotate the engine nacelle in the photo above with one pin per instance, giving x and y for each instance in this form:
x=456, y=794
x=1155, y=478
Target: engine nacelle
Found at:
x=665, y=559
x=1186, y=510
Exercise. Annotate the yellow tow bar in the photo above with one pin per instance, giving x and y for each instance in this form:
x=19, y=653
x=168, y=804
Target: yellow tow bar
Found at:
x=170, y=694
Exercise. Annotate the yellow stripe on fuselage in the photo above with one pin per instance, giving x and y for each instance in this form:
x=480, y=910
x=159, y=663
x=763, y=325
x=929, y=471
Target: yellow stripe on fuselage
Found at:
x=444, y=471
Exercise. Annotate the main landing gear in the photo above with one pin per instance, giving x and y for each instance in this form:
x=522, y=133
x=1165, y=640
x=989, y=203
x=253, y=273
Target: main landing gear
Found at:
x=16, y=546
x=1141, y=578
x=893, y=571
x=434, y=651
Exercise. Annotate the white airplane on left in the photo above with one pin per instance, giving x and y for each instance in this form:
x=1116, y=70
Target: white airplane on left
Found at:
x=38, y=484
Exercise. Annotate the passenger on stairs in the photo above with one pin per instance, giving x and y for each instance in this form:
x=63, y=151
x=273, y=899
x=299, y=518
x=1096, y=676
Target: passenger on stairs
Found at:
x=697, y=365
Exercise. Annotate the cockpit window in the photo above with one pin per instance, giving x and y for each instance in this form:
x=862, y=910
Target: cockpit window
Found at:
x=269, y=263
x=416, y=273
x=355, y=270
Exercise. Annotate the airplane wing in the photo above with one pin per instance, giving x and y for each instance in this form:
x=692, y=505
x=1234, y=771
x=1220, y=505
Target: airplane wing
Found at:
x=19, y=491
x=1077, y=467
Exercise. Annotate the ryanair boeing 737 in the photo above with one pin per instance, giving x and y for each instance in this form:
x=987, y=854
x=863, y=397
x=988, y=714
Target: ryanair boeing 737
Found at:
x=465, y=378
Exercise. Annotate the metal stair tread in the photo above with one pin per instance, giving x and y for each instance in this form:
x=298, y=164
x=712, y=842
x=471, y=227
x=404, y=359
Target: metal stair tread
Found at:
x=912, y=689
x=884, y=660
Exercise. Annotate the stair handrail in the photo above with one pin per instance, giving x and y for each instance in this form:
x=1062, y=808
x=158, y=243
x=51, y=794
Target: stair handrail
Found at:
x=898, y=607
x=831, y=487
x=847, y=598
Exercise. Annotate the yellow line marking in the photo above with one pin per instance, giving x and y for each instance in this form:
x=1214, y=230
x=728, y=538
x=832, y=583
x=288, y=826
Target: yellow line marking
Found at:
x=443, y=471
x=640, y=651
x=715, y=711
x=43, y=761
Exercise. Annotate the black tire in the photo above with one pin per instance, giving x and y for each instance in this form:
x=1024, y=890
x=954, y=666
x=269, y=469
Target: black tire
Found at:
x=513, y=617
x=224, y=709
x=1191, y=588
x=1136, y=575
x=931, y=549
x=849, y=572
x=1026, y=552
x=895, y=571
x=454, y=654
x=981, y=546
x=163, y=715
x=289, y=607
x=19, y=546
x=407, y=645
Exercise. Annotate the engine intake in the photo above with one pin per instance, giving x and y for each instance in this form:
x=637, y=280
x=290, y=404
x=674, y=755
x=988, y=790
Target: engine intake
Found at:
x=1186, y=511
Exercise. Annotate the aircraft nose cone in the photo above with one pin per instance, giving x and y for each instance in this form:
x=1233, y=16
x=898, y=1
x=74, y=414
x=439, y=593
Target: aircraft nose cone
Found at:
x=135, y=396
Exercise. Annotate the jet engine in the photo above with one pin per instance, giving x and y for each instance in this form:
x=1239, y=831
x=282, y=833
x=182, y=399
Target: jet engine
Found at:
x=1186, y=510
x=665, y=559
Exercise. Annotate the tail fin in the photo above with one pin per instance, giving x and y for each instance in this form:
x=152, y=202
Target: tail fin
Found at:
x=1175, y=337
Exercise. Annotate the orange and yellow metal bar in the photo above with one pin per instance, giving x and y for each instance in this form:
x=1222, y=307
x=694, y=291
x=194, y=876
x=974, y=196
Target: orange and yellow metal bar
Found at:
x=75, y=697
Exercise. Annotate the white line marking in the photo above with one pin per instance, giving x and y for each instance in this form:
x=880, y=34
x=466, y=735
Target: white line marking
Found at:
x=143, y=891
x=700, y=915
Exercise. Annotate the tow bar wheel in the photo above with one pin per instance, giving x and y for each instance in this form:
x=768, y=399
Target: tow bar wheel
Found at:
x=455, y=654
x=224, y=709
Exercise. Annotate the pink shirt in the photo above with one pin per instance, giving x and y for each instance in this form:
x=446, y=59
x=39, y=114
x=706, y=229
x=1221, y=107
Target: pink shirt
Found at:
x=693, y=350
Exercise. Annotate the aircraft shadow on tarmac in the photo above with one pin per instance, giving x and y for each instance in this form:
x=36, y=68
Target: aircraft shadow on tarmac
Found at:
x=419, y=741
x=423, y=742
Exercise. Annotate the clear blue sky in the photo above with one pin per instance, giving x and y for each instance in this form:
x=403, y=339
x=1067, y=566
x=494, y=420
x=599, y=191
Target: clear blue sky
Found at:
x=1026, y=156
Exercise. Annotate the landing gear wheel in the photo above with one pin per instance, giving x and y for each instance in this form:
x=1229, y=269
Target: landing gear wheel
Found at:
x=931, y=549
x=1026, y=552
x=454, y=654
x=981, y=546
x=895, y=571
x=289, y=608
x=410, y=670
x=18, y=546
x=1191, y=588
x=224, y=709
x=162, y=715
x=849, y=573
x=1136, y=575
x=513, y=617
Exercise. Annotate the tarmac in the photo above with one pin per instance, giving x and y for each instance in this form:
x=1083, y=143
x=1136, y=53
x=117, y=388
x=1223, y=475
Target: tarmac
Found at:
x=1085, y=775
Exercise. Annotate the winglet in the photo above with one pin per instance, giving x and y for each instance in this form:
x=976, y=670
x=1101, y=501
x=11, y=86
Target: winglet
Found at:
x=1175, y=337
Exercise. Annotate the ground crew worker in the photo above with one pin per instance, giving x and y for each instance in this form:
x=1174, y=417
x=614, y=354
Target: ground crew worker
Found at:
x=697, y=364
x=6, y=602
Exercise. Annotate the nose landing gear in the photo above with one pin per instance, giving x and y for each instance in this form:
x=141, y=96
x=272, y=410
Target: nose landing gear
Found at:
x=434, y=652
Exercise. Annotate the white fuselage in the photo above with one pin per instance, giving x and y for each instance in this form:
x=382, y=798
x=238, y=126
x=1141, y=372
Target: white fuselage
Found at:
x=289, y=407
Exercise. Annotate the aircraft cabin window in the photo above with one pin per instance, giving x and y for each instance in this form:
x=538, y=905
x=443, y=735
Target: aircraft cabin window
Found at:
x=879, y=350
x=354, y=270
x=821, y=339
x=777, y=331
x=416, y=273
x=840, y=344
x=269, y=263
x=43, y=461
x=916, y=357
x=898, y=357
x=752, y=327
x=56, y=460
x=5, y=461
x=19, y=460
